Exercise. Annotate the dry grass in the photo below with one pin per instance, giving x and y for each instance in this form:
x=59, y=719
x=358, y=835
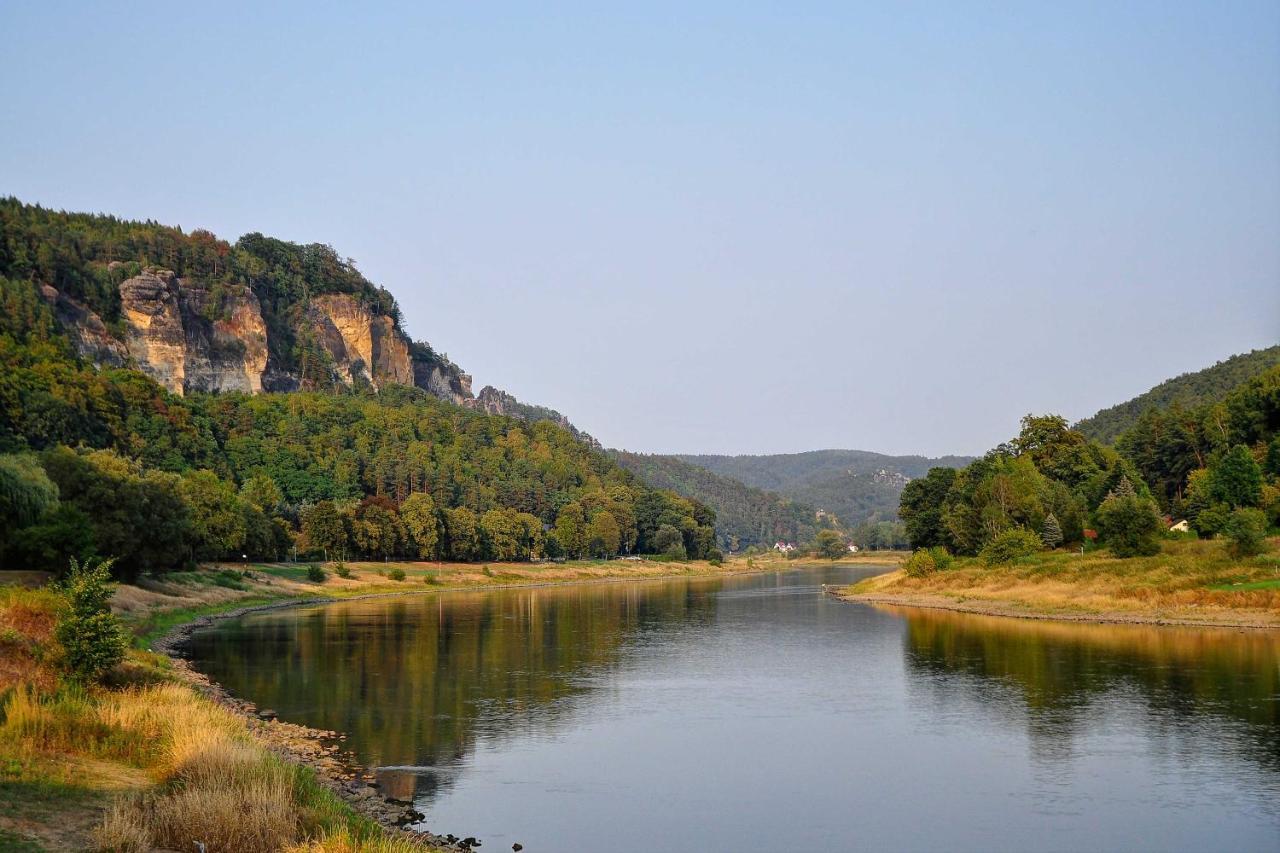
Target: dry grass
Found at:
x=28, y=653
x=343, y=841
x=1187, y=578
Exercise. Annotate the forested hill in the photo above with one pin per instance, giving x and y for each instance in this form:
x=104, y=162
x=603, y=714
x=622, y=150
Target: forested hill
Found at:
x=138, y=418
x=858, y=486
x=1189, y=391
x=745, y=515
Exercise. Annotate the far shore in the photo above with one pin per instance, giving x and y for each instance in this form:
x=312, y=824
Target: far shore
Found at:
x=1187, y=583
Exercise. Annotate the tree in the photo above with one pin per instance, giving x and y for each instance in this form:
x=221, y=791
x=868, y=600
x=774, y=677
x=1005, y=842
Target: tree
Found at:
x=324, y=528
x=261, y=491
x=26, y=491
x=1011, y=545
x=501, y=533
x=830, y=544
x=462, y=535
x=1130, y=525
x=603, y=535
x=668, y=540
x=1235, y=478
x=1247, y=530
x=418, y=512
x=571, y=529
x=217, y=517
x=1051, y=532
x=376, y=528
x=91, y=637
x=921, y=506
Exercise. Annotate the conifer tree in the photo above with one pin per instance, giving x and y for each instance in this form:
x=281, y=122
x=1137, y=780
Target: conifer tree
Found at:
x=1051, y=532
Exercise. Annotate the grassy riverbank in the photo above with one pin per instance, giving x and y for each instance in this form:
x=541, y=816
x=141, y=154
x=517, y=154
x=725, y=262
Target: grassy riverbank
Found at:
x=1189, y=582
x=152, y=760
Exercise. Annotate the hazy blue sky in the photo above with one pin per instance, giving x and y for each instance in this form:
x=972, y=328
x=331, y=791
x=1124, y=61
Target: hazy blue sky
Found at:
x=744, y=228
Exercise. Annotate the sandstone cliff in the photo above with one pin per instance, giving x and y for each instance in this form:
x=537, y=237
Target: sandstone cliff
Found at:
x=191, y=338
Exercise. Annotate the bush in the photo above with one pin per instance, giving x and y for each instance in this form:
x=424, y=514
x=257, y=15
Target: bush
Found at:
x=488, y=572
x=396, y=574
x=316, y=574
x=1011, y=545
x=91, y=636
x=941, y=557
x=1247, y=530
x=920, y=564
x=1130, y=525
x=430, y=578
x=340, y=569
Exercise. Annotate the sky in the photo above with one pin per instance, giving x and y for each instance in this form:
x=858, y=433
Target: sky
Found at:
x=735, y=228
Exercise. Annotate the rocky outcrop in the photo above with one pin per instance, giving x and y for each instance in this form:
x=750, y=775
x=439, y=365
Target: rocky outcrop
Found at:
x=226, y=339
x=88, y=334
x=442, y=379
x=154, y=332
x=363, y=345
x=495, y=401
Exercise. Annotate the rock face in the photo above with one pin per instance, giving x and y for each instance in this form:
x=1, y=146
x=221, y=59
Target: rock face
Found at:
x=191, y=338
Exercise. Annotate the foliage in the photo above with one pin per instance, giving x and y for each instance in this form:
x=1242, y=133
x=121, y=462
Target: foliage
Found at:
x=830, y=544
x=941, y=557
x=603, y=535
x=343, y=571
x=91, y=637
x=1129, y=524
x=921, y=507
x=920, y=564
x=26, y=492
x=1235, y=478
x=422, y=523
x=1247, y=530
x=1051, y=532
x=396, y=574
x=1010, y=545
x=1184, y=393
x=316, y=574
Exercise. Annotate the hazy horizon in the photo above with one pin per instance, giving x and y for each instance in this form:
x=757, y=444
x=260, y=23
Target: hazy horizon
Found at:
x=724, y=230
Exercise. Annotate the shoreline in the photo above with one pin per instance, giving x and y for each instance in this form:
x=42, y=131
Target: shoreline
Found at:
x=1010, y=610
x=321, y=751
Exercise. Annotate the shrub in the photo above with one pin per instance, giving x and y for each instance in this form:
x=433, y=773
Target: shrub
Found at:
x=488, y=572
x=1011, y=545
x=342, y=571
x=316, y=574
x=941, y=557
x=1247, y=530
x=920, y=564
x=396, y=574
x=90, y=635
x=1130, y=525
x=430, y=578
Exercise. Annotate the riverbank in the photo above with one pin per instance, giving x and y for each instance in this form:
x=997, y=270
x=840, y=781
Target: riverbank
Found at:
x=67, y=783
x=1188, y=583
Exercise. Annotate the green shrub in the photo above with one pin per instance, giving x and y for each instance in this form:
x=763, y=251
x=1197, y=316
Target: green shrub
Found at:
x=1247, y=530
x=1130, y=525
x=316, y=574
x=920, y=564
x=941, y=557
x=91, y=636
x=488, y=572
x=430, y=578
x=340, y=569
x=1012, y=544
x=396, y=574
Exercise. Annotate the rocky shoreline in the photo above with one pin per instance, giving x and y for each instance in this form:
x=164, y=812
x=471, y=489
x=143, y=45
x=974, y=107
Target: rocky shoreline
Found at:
x=336, y=768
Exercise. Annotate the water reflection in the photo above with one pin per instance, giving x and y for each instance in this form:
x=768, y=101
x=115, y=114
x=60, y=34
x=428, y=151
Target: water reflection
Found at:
x=416, y=681
x=1054, y=676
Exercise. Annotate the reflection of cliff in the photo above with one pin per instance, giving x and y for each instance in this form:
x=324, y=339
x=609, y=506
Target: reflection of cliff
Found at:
x=415, y=682
x=1058, y=671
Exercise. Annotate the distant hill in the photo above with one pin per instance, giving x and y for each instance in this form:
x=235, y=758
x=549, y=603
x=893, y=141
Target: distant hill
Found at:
x=855, y=485
x=1189, y=390
x=745, y=515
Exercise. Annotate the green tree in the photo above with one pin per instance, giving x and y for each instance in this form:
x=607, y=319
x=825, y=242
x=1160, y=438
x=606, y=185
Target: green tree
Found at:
x=921, y=507
x=571, y=529
x=1129, y=525
x=92, y=639
x=1235, y=478
x=462, y=534
x=261, y=491
x=324, y=528
x=217, y=516
x=501, y=533
x=1051, y=532
x=418, y=512
x=603, y=535
x=1247, y=530
x=830, y=544
x=376, y=528
x=26, y=492
x=1010, y=545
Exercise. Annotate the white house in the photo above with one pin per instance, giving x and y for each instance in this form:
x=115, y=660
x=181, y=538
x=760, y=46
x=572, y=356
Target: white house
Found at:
x=1180, y=527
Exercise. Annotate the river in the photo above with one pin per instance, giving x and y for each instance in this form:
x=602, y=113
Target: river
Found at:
x=753, y=713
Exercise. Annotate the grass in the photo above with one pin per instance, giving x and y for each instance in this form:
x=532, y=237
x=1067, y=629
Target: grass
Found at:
x=155, y=624
x=1191, y=579
x=166, y=766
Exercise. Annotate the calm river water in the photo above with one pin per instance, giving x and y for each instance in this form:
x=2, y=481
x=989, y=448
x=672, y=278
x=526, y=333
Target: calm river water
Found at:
x=754, y=714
